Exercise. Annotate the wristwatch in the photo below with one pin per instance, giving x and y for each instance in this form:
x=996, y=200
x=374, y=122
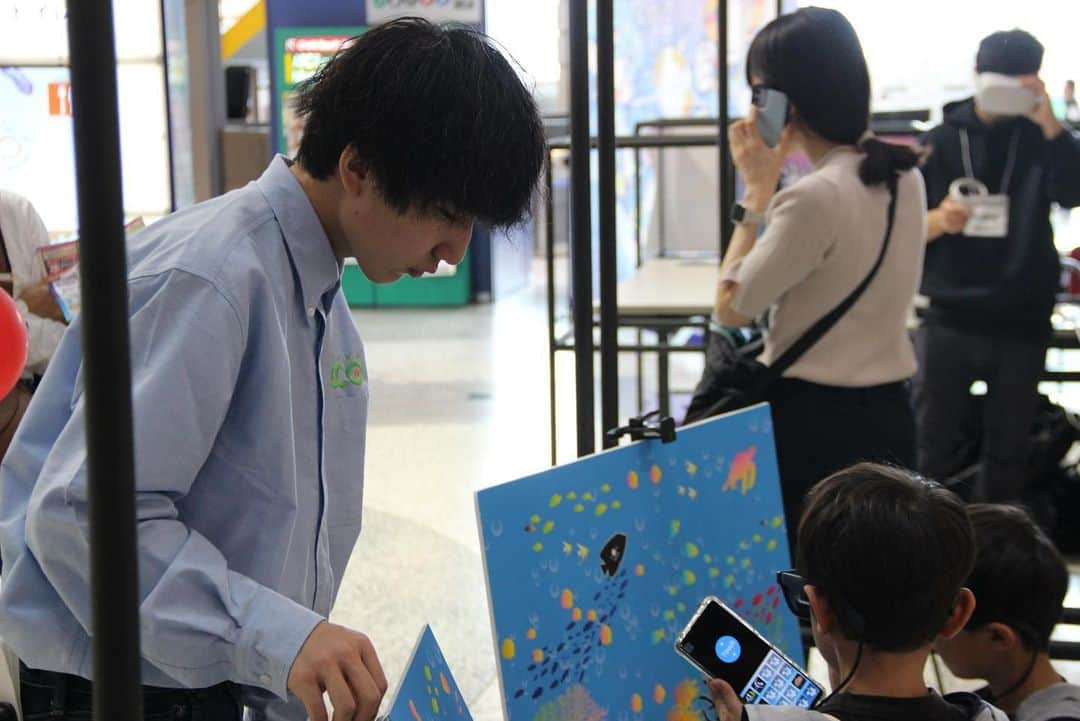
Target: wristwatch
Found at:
x=741, y=215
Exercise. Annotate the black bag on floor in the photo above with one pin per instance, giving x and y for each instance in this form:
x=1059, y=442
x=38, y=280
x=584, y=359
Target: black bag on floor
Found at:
x=734, y=378
x=1053, y=488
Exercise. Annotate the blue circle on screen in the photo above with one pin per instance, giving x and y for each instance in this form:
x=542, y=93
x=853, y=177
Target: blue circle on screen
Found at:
x=728, y=649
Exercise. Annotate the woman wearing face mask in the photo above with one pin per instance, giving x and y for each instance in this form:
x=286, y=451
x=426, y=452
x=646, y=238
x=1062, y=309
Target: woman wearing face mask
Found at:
x=798, y=253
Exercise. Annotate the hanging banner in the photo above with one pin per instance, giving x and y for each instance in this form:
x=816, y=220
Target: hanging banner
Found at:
x=469, y=12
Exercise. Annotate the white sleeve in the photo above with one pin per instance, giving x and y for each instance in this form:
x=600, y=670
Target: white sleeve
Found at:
x=800, y=227
x=25, y=232
x=45, y=335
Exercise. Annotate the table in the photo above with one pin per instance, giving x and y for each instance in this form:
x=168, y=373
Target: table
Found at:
x=663, y=295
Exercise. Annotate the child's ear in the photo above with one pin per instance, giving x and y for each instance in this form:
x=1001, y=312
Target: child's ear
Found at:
x=960, y=613
x=821, y=611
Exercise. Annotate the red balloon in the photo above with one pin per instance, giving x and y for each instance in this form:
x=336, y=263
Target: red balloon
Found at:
x=14, y=343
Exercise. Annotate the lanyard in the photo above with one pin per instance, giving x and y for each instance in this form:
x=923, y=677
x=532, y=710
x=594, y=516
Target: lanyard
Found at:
x=1010, y=163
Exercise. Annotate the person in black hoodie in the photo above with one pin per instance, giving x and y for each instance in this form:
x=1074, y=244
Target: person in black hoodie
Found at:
x=991, y=291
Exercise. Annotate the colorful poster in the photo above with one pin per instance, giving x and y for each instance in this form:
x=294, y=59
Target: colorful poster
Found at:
x=469, y=12
x=594, y=567
x=427, y=690
x=666, y=67
x=301, y=52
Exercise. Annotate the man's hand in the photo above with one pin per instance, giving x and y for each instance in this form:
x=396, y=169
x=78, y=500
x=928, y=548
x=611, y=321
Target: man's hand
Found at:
x=725, y=700
x=949, y=217
x=1043, y=114
x=342, y=663
x=40, y=301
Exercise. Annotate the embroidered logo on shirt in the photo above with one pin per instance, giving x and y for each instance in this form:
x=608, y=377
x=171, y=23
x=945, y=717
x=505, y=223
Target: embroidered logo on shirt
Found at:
x=346, y=371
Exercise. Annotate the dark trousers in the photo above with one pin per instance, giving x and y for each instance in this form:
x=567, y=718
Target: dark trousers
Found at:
x=822, y=429
x=59, y=697
x=949, y=362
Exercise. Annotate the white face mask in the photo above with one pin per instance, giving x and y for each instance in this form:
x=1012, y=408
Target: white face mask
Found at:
x=1003, y=94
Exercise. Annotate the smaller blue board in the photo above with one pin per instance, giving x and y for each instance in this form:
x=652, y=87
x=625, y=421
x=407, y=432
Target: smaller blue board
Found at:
x=428, y=690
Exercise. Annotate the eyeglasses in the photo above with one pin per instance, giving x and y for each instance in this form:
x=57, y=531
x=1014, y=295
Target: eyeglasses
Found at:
x=793, y=586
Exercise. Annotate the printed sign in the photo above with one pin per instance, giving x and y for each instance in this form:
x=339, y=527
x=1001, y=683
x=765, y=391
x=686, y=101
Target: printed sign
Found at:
x=469, y=12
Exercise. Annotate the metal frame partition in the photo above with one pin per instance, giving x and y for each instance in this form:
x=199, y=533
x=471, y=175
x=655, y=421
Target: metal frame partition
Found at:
x=661, y=124
x=566, y=341
x=581, y=237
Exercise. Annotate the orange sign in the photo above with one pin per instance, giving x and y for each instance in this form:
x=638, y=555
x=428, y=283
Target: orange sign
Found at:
x=60, y=99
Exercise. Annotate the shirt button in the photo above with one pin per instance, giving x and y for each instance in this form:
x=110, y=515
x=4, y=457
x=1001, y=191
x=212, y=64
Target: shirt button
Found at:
x=265, y=678
x=311, y=311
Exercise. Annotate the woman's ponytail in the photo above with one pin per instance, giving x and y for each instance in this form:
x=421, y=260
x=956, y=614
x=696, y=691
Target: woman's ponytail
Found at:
x=884, y=160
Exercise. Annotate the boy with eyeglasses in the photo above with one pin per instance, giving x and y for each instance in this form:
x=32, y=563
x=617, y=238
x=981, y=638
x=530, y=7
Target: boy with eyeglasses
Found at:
x=1020, y=582
x=881, y=562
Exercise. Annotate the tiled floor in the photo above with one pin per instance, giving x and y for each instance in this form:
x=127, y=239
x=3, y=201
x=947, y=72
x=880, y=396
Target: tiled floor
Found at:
x=459, y=402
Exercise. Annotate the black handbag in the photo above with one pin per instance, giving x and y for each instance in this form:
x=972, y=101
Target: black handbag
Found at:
x=734, y=378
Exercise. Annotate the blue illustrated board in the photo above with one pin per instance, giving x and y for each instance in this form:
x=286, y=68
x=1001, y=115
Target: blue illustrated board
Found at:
x=594, y=567
x=427, y=691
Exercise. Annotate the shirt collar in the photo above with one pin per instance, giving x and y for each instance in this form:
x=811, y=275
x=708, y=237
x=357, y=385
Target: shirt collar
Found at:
x=833, y=154
x=309, y=249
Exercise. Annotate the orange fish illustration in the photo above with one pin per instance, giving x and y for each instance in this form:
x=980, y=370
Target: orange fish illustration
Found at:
x=744, y=470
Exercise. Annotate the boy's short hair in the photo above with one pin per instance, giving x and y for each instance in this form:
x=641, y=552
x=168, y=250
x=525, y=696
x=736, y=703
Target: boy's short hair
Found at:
x=890, y=546
x=436, y=113
x=1019, y=578
x=1009, y=52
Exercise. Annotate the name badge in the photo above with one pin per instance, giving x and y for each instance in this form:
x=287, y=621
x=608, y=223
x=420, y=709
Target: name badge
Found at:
x=989, y=216
x=989, y=213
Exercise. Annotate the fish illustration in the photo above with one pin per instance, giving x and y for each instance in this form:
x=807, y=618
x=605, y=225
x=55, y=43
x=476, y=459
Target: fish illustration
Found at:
x=565, y=662
x=612, y=554
x=743, y=470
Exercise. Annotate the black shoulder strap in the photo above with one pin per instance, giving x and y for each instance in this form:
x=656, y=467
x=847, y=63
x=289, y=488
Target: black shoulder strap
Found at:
x=822, y=326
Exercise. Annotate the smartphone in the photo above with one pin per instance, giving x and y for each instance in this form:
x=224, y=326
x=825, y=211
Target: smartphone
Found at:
x=772, y=115
x=722, y=645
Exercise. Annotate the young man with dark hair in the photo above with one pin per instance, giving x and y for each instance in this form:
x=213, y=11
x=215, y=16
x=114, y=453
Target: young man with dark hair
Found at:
x=881, y=562
x=991, y=271
x=1019, y=581
x=250, y=393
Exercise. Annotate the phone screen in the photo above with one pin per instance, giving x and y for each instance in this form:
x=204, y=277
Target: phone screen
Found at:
x=725, y=646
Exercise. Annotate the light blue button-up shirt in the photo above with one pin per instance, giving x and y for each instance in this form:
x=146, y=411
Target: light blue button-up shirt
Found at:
x=250, y=400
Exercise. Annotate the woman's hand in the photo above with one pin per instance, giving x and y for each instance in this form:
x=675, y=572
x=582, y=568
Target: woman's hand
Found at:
x=757, y=163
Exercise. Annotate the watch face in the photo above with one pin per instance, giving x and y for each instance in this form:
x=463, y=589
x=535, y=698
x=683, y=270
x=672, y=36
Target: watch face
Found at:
x=739, y=214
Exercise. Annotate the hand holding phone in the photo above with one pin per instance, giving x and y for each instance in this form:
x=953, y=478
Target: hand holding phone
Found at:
x=728, y=705
x=722, y=645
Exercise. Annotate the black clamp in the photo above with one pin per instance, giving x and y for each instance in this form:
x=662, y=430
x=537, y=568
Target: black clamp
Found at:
x=638, y=428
